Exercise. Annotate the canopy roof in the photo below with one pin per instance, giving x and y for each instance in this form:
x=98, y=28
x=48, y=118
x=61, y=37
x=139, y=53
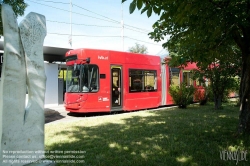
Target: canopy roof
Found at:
x=51, y=54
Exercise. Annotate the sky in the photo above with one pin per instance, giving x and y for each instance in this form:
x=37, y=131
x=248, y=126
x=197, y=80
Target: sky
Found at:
x=95, y=24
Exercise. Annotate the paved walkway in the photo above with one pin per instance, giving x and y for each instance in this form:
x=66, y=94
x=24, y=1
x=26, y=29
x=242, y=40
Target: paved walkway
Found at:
x=58, y=114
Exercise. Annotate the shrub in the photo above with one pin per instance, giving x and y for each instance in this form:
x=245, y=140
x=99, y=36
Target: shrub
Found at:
x=200, y=95
x=182, y=95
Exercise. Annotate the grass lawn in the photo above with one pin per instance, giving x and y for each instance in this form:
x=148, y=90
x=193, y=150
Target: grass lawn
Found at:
x=194, y=136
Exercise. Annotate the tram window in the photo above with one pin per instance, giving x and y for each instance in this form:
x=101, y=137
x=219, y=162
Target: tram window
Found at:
x=174, y=76
x=187, y=78
x=90, y=80
x=82, y=78
x=73, y=80
x=142, y=80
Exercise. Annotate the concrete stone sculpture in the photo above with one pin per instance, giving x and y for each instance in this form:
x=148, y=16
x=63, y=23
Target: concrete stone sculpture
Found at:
x=22, y=129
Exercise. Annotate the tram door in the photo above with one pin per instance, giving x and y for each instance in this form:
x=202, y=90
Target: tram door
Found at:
x=116, y=87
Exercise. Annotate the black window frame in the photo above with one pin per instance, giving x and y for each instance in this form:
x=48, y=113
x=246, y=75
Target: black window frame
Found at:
x=81, y=83
x=138, y=82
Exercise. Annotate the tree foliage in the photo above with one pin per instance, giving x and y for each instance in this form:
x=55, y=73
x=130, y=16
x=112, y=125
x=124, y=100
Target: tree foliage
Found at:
x=182, y=95
x=222, y=74
x=222, y=77
x=201, y=31
x=138, y=48
x=18, y=7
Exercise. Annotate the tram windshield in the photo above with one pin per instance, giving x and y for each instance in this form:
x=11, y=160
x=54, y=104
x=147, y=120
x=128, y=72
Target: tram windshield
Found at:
x=82, y=78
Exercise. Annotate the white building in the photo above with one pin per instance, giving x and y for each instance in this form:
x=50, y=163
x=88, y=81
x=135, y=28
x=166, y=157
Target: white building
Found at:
x=54, y=59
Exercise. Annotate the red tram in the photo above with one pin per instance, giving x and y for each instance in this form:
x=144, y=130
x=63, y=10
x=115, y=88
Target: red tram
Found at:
x=106, y=81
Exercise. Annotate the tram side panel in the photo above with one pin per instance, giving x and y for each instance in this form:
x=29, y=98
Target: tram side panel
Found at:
x=142, y=85
x=166, y=82
x=164, y=91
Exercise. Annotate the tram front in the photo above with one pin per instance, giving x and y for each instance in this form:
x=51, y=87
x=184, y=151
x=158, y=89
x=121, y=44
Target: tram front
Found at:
x=81, y=81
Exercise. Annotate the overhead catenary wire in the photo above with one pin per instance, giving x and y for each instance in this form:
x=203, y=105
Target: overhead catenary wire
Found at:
x=126, y=26
x=102, y=26
x=142, y=41
x=64, y=34
x=136, y=30
x=106, y=18
x=72, y=12
x=103, y=37
x=109, y=18
x=97, y=13
x=65, y=3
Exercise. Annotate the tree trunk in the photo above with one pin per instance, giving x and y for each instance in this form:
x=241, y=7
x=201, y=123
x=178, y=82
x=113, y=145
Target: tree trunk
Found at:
x=244, y=117
x=243, y=41
x=217, y=101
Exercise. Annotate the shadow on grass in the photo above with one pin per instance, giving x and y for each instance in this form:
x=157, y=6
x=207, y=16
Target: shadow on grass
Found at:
x=194, y=136
x=52, y=115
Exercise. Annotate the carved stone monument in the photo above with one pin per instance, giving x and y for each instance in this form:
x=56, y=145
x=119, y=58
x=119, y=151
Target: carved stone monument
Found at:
x=22, y=129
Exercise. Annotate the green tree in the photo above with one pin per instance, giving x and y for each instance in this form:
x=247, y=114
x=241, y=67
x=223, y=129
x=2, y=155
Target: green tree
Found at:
x=222, y=76
x=138, y=49
x=221, y=73
x=200, y=27
x=18, y=7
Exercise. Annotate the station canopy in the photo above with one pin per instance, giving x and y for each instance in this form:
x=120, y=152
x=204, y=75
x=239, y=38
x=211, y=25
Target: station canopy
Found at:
x=51, y=54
